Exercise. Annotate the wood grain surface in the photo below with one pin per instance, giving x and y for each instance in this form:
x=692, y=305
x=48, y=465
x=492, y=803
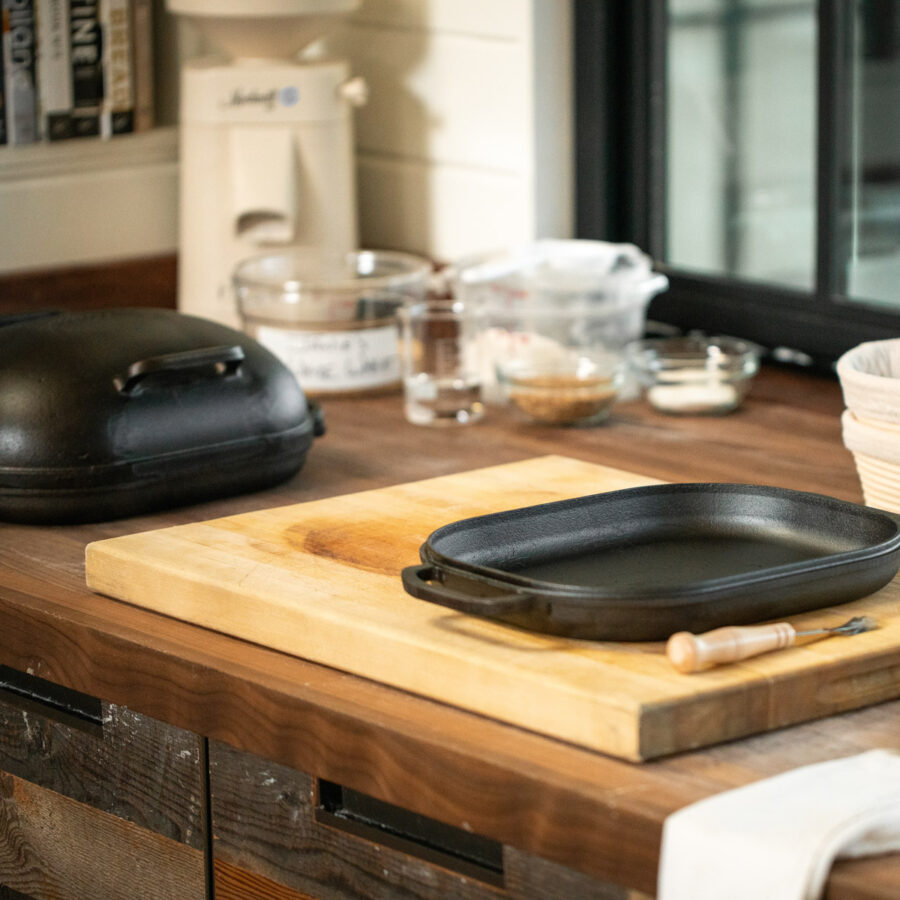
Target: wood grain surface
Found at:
x=584, y=810
x=54, y=848
x=147, y=281
x=136, y=768
x=321, y=580
x=235, y=883
x=264, y=824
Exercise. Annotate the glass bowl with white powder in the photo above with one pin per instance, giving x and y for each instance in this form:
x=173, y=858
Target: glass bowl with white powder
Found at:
x=694, y=375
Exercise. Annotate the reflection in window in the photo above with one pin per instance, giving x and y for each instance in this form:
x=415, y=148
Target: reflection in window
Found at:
x=872, y=204
x=741, y=138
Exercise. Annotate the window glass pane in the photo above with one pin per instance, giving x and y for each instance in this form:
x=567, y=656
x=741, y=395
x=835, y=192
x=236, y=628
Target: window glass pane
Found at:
x=741, y=138
x=872, y=202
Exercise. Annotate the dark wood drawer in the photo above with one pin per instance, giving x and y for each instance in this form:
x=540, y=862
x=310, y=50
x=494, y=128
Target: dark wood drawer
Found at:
x=96, y=802
x=106, y=756
x=279, y=833
x=55, y=848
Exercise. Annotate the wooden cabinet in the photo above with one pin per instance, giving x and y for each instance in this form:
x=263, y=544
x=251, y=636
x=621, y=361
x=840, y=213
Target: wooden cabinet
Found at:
x=282, y=834
x=96, y=801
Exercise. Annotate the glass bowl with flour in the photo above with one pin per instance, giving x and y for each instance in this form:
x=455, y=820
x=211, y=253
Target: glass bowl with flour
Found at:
x=694, y=375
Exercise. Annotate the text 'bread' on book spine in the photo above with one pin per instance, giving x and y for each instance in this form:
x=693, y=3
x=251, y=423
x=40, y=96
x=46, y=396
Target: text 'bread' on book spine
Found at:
x=118, y=101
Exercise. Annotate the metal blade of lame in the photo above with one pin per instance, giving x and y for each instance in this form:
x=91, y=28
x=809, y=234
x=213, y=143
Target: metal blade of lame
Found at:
x=856, y=625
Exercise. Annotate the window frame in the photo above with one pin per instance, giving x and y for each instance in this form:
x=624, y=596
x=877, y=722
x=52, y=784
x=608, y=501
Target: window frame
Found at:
x=620, y=98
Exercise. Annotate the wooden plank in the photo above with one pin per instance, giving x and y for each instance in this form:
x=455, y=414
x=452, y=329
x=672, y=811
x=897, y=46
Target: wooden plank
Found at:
x=263, y=821
x=137, y=768
x=265, y=833
x=149, y=281
x=235, y=883
x=401, y=748
x=53, y=848
x=864, y=879
x=320, y=580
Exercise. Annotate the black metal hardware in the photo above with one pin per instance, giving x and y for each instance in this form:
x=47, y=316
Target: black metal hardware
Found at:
x=472, y=855
x=46, y=698
x=203, y=363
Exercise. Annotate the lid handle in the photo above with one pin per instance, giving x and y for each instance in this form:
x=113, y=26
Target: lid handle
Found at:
x=421, y=582
x=217, y=362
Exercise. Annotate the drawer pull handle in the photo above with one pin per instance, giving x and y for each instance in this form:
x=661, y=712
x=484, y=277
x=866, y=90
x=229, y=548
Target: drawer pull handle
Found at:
x=472, y=855
x=65, y=705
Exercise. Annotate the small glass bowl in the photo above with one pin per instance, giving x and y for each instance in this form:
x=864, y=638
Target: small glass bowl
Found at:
x=561, y=392
x=694, y=375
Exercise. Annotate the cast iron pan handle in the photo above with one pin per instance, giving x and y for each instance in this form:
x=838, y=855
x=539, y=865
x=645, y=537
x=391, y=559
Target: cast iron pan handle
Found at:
x=420, y=581
x=215, y=361
x=318, y=418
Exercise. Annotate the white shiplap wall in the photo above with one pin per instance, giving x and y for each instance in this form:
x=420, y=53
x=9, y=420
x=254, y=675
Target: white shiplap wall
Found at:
x=464, y=146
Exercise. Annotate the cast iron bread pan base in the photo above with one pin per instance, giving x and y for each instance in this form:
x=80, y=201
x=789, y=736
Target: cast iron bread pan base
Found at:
x=118, y=412
x=643, y=563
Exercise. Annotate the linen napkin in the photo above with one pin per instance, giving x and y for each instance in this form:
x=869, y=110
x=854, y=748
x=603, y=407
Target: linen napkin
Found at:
x=778, y=837
x=870, y=379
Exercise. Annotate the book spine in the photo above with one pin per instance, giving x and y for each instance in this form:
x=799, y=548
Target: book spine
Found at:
x=3, y=138
x=118, y=101
x=54, y=69
x=142, y=59
x=87, y=67
x=20, y=71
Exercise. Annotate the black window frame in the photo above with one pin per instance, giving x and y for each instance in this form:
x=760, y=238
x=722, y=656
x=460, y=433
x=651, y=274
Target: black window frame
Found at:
x=620, y=105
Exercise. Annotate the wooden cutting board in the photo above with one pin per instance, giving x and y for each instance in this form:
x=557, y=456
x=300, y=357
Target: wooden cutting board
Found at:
x=320, y=580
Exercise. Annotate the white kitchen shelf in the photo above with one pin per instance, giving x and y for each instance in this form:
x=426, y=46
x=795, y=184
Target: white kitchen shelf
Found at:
x=88, y=200
x=62, y=158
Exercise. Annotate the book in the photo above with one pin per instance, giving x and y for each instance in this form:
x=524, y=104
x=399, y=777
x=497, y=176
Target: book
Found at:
x=142, y=63
x=2, y=89
x=118, y=101
x=20, y=72
x=54, y=69
x=85, y=48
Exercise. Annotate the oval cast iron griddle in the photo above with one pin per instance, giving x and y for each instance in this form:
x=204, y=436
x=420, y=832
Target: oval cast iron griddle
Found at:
x=642, y=563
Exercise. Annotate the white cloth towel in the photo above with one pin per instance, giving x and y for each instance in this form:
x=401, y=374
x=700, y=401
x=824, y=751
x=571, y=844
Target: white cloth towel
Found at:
x=870, y=379
x=777, y=838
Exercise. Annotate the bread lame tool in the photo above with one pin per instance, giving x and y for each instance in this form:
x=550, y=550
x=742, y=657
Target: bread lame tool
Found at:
x=692, y=652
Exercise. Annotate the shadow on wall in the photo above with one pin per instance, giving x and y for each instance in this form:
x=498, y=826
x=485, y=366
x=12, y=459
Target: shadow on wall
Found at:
x=394, y=183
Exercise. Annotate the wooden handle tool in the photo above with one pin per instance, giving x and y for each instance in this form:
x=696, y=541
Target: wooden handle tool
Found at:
x=692, y=652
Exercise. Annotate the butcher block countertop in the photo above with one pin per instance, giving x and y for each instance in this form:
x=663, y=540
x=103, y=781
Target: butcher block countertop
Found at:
x=569, y=804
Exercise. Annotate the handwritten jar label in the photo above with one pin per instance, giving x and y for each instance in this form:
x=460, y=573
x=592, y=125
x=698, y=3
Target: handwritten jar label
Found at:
x=350, y=360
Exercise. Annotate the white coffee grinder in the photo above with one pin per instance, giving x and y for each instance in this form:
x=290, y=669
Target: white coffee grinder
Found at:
x=266, y=143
